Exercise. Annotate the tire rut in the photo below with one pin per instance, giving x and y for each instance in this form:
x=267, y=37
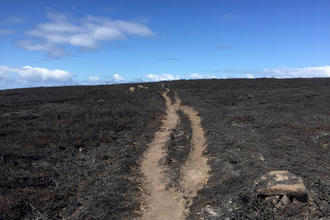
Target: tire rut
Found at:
x=161, y=202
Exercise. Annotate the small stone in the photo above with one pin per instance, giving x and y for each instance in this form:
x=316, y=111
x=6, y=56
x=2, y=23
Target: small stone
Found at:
x=325, y=145
x=312, y=209
x=262, y=158
x=250, y=96
x=278, y=206
x=280, y=183
x=285, y=200
x=272, y=199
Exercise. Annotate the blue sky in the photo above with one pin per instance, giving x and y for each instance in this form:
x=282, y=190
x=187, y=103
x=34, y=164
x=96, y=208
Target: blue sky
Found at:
x=51, y=43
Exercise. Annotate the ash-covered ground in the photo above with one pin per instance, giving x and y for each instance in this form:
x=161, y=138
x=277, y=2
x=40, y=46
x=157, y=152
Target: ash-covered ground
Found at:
x=256, y=126
x=75, y=152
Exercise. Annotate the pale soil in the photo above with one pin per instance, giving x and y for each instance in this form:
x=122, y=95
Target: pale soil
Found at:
x=161, y=202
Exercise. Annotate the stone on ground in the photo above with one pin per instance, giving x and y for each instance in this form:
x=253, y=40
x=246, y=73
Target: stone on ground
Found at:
x=285, y=200
x=280, y=183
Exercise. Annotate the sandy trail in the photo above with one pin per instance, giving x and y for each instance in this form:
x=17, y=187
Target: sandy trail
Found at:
x=161, y=202
x=195, y=171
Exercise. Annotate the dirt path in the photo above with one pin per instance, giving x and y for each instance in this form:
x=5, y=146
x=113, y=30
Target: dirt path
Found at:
x=195, y=171
x=169, y=203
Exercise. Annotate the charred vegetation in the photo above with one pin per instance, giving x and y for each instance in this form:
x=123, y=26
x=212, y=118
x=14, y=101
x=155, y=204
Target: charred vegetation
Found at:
x=253, y=127
x=74, y=152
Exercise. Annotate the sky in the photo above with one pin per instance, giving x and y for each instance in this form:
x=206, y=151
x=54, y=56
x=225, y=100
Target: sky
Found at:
x=91, y=42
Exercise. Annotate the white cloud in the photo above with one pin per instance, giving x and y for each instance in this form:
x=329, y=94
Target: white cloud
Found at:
x=92, y=79
x=249, y=76
x=196, y=76
x=51, y=50
x=284, y=72
x=85, y=33
x=115, y=78
x=199, y=76
x=162, y=77
x=3, y=76
x=118, y=78
x=39, y=75
x=6, y=31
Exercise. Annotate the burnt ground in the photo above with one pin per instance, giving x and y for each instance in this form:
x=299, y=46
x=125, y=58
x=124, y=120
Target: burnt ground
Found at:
x=178, y=149
x=74, y=152
x=253, y=127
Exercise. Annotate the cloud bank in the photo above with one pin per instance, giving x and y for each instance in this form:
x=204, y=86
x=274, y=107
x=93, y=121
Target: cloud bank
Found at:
x=86, y=33
x=196, y=76
x=282, y=72
x=199, y=76
x=115, y=78
x=27, y=76
x=18, y=77
x=162, y=77
x=94, y=80
x=30, y=74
